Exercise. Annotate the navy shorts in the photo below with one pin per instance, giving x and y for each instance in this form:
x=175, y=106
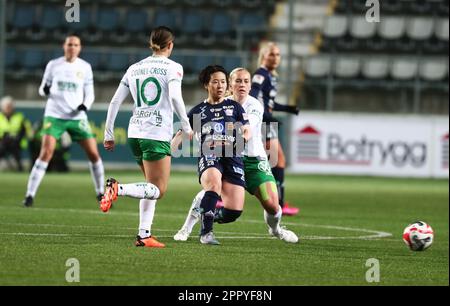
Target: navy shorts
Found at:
x=232, y=168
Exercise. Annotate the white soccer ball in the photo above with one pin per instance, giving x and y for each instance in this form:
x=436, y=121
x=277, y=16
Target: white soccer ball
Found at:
x=418, y=236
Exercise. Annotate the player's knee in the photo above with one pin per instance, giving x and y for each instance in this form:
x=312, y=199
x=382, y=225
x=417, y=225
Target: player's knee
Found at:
x=162, y=192
x=93, y=157
x=46, y=154
x=224, y=215
x=214, y=187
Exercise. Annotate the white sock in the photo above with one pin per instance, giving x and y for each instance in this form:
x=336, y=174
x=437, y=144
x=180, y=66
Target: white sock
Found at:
x=273, y=221
x=36, y=176
x=98, y=176
x=191, y=218
x=146, y=215
x=146, y=191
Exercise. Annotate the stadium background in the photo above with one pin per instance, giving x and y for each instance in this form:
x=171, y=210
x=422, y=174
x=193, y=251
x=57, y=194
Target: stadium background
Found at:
x=334, y=60
x=384, y=82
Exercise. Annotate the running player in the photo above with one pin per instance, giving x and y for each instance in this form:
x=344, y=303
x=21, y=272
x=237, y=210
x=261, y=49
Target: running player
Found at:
x=155, y=85
x=264, y=88
x=259, y=179
x=69, y=85
x=223, y=126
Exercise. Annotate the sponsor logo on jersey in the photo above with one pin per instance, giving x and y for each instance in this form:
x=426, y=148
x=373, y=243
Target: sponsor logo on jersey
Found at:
x=255, y=112
x=219, y=128
x=229, y=112
x=206, y=129
x=258, y=79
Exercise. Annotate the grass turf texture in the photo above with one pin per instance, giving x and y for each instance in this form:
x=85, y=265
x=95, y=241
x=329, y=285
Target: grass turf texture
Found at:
x=67, y=223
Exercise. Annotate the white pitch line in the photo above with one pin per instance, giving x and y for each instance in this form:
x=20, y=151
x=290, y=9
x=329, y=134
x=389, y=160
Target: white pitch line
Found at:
x=373, y=233
x=118, y=236
x=114, y=227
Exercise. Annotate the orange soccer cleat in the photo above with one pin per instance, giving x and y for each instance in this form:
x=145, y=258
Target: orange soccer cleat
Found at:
x=149, y=242
x=111, y=194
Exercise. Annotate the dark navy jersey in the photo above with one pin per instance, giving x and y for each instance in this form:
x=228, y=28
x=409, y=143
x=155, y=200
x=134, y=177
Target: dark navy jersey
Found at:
x=264, y=88
x=218, y=126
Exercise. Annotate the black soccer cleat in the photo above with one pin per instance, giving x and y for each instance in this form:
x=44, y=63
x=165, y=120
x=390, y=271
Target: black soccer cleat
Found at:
x=28, y=201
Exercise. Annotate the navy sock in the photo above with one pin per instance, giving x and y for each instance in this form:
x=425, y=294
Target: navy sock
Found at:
x=278, y=173
x=208, y=205
x=224, y=215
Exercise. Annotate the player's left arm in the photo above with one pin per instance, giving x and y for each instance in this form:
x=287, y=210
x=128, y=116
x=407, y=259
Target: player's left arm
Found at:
x=89, y=95
x=255, y=117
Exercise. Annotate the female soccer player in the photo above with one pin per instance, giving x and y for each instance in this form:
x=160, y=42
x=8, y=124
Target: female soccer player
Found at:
x=264, y=88
x=258, y=175
x=69, y=85
x=155, y=85
x=222, y=125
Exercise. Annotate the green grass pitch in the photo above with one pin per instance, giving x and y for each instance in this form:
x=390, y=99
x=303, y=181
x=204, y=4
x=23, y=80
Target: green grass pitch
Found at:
x=344, y=221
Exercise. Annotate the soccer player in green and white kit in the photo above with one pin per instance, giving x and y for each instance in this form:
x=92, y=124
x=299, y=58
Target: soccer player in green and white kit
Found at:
x=258, y=175
x=155, y=84
x=69, y=85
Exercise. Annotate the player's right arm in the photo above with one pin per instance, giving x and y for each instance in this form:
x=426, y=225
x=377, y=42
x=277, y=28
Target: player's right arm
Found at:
x=121, y=94
x=44, y=89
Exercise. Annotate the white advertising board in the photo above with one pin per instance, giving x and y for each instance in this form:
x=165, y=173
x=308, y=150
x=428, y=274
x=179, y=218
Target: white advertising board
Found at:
x=380, y=145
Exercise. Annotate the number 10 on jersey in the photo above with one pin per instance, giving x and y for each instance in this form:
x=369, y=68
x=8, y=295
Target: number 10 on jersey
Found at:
x=149, y=92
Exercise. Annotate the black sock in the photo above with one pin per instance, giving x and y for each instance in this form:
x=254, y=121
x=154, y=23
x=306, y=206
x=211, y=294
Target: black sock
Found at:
x=224, y=215
x=208, y=205
x=278, y=173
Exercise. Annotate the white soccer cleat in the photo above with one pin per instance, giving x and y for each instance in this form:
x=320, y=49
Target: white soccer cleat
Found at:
x=209, y=239
x=182, y=235
x=193, y=218
x=195, y=210
x=283, y=234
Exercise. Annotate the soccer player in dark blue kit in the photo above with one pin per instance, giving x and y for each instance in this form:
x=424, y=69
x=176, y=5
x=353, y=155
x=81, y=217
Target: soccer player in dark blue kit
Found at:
x=223, y=128
x=264, y=88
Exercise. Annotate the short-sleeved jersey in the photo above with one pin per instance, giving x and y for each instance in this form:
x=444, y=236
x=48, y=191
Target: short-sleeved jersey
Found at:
x=148, y=81
x=255, y=112
x=68, y=83
x=264, y=88
x=218, y=125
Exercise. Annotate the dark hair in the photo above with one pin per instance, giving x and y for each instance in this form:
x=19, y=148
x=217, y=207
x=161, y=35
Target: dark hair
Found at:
x=70, y=35
x=205, y=75
x=160, y=38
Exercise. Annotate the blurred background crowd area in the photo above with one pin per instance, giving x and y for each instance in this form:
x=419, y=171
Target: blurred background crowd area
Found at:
x=333, y=58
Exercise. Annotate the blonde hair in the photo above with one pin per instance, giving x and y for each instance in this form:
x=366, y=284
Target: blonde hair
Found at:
x=264, y=49
x=236, y=70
